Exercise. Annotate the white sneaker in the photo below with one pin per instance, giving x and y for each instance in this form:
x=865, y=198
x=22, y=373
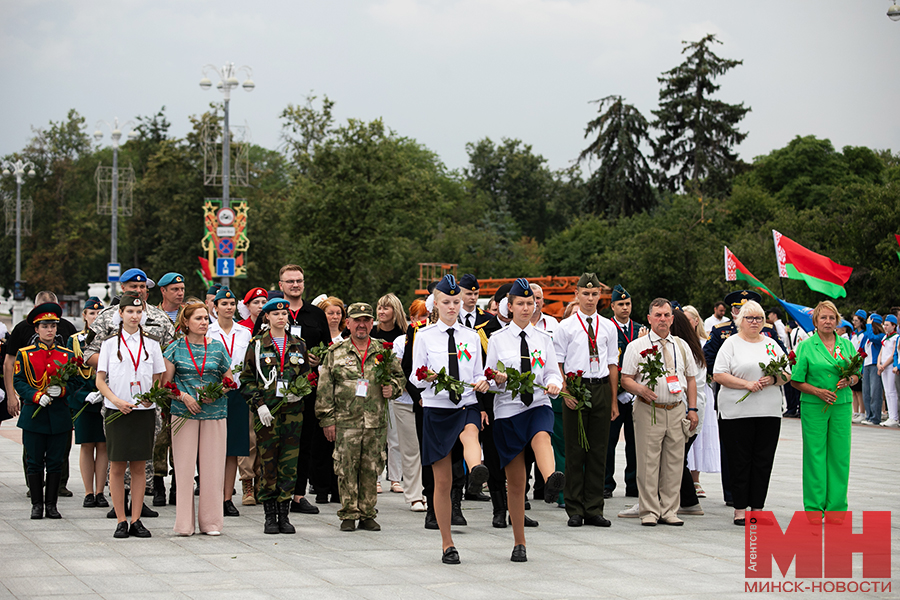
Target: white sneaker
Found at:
x=859, y=418
x=417, y=506
x=633, y=512
x=891, y=423
x=695, y=510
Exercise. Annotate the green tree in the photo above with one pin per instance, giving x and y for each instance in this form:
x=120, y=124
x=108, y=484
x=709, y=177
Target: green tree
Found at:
x=621, y=185
x=697, y=132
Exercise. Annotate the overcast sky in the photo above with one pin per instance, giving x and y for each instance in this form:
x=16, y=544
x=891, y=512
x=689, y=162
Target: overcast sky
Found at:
x=448, y=72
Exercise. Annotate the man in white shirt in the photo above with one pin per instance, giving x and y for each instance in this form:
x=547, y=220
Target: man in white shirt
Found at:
x=542, y=322
x=587, y=342
x=717, y=317
x=658, y=414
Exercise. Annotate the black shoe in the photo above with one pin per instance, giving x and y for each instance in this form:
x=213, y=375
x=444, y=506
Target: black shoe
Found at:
x=159, y=491
x=597, y=521
x=147, y=512
x=284, y=524
x=430, y=519
x=575, y=521
x=477, y=497
x=101, y=501
x=554, y=485
x=499, y=520
x=451, y=556
x=89, y=501
x=729, y=503
x=51, y=493
x=322, y=498
x=121, y=530
x=229, y=509
x=137, y=529
x=518, y=554
x=739, y=522
x=456, y=516
x=37, y=511
x=303, y=506
x=631, y=493
x=369, y=525
x=528, y=522
x=607, y=493
x=36, y=485
x=271, y=524
x=478, y=476
x=64, y=492
x=348, y=525
x=51, y=511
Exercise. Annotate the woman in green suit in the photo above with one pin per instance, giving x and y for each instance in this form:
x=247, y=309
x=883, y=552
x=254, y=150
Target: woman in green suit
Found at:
x=827, y=403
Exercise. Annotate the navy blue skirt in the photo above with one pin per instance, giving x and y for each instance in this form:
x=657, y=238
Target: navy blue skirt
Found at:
x=512, y=435
x=441, y=428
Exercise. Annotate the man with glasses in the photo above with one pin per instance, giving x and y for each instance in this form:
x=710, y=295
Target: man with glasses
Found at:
x=314, y=464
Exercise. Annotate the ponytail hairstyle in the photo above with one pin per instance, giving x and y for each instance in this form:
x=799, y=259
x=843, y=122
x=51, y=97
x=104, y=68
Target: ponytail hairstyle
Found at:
x=189, y=308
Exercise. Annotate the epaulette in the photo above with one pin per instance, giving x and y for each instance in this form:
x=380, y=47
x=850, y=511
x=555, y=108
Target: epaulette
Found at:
x=724, y=324
x=479, y=310
x=481, y=325
x=417, y=324
x=27, y=348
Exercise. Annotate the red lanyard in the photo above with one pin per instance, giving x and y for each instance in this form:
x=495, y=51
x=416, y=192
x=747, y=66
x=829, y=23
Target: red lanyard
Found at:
x=362, y=366
x=140, y=349
x=592, y=343
x=281, y=351
x=230, y=350
x=625, y=335
x=191, y=352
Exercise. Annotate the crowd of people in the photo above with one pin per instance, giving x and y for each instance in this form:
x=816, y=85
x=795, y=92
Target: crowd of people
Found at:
x=297, y=398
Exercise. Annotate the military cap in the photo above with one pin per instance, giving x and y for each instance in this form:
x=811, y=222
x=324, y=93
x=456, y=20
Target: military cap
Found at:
x=876, y=318
x=862, y=314
x=676, y=305
x=521, y=287
x=92, y=303
x=619, y=293
x=130, y=299
x=741, y=297
x=890, y=319
x=589, y=280
x=469, y=282
x=169, y=279
x=502, y=292
x=136, y=275
x=48, y=312
x=359, y=310
x=276, y=304
x=447, y=285
x=214, y=289
x=255, y=293
x=223, y=294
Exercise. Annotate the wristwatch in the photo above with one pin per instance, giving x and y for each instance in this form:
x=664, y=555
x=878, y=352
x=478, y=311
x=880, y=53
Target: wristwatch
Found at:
x=692, y=410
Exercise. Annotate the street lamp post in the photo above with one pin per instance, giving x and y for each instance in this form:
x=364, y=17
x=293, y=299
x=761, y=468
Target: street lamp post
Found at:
x=18, y=168
x=116, y=135
x=227, y=81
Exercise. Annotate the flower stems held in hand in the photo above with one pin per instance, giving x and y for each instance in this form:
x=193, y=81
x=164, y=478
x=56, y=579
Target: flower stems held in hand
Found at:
x=301, y=386
x=652, y=370
x=64, y=372
x=582, y=395
x=443, y=381
x=848, y=369
x=775, y=369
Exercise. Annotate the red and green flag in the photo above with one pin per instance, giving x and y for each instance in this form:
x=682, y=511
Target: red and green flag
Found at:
x=736, y=271
x=819, y=272
x=898, y=242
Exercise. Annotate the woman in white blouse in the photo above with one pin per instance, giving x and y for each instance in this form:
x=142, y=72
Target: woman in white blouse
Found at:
x=749, y=426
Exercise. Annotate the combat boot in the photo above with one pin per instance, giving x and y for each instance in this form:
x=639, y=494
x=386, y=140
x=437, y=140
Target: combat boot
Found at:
x=456, y=516
x=36, y=486
x=498, y=500
x=51, y=494
x=159, y=491
x=248, y=497
x=430, y=519
x=284, y=524
x=271, y=509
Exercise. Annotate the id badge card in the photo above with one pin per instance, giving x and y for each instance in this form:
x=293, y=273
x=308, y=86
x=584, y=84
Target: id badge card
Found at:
x=362, y=387
x=674, y=384
x=135, y=388
x=295, y=330
x=280, y=388
x=595, y=365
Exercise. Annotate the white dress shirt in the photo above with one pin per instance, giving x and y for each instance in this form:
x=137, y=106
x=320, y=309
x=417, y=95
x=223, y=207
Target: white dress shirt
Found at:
x=713, y=320
x=571, y=343
x=683, y=365
x=472, y=316
x=236, y=342
x=506, y=346
x=546, y=323
x=430, y=350
x=123, y=379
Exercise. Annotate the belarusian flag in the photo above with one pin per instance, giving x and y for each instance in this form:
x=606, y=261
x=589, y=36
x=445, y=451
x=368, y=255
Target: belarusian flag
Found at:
x=898, y=241
x=736, y=271
x=819, y=272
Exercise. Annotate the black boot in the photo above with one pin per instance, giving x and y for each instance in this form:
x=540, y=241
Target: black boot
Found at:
x=112, y=511
x=430, y=519
x=159, y=491
x=36, y=486
x=456, y=516
x=51, y=493
x=284, y=524
x=271, y=509
x=498, y=500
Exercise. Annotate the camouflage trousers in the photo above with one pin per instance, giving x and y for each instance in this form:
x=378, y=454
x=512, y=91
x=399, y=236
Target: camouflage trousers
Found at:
x=358, y=460
x=278, y=447
x=162, y=444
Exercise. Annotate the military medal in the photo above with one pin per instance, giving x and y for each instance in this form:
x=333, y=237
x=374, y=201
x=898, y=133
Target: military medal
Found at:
x=295, y=360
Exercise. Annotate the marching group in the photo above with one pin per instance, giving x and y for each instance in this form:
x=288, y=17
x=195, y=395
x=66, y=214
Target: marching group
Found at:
x=299, y=398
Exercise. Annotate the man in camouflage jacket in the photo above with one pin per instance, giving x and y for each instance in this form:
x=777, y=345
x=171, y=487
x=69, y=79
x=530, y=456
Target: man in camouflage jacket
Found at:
x=351, y=406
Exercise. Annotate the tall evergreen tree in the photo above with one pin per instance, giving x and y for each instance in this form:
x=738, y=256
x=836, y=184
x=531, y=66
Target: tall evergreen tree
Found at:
x=698, y=132
x=621, y=185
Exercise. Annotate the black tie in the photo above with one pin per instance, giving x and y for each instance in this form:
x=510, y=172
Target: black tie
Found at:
x=527, y=399
x=454, y=364
x=592, y=349
x=469, y=321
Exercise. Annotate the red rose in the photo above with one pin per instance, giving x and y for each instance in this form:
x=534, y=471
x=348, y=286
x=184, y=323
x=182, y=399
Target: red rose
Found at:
x=229, y=383
x=863, y=353
x=579, y=373
x=313, y=378
x=330, y=343
x=79, y=361
x=422, y=373
x=387, y=345
x=172, y=387
x=489, y=373
x=379, y=357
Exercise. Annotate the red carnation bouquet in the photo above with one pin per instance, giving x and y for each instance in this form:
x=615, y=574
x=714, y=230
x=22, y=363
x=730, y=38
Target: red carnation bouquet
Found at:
x=64, y=372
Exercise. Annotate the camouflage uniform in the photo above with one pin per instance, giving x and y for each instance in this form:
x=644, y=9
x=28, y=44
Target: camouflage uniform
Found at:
x=359, y=422
x=279, y=445
x=157, y=326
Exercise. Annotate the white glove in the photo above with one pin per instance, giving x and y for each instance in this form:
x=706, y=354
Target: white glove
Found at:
x=44, y=400
x=291, y=398
x=54, y=391
x=94, y=398
x=265, y=415
x=2, y=395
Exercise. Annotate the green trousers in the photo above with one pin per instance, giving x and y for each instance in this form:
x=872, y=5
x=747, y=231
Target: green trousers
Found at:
x=826, y=455
x=586, y=469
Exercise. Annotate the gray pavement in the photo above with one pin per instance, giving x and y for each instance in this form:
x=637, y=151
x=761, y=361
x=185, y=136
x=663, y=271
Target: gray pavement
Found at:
x=77, y=557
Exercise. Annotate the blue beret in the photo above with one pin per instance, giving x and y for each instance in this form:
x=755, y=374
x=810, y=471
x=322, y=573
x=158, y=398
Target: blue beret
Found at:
x=890, y=319
x=619, y=293
x=93, y=303
x=876, y=318
x=134, y=275
x=520, y=287
x=214, y=289
x=861, y=314
x=448, y=285
x=469, y=282
x=170, y=278
x=276, y=304
x=222, y=294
